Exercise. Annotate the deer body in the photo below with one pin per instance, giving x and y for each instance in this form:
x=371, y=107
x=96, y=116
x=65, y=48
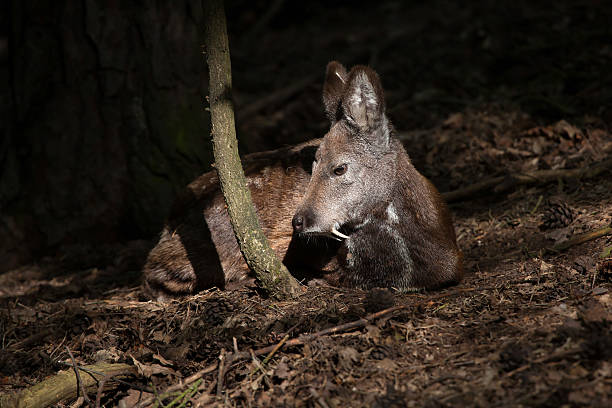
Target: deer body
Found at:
x=197, y=248
x=363, y=217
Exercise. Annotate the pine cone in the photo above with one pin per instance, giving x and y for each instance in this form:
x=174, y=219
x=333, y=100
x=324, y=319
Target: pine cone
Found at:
x=557, y=215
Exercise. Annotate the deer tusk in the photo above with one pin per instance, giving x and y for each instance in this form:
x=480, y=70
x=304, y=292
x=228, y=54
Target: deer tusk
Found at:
x=338, y=234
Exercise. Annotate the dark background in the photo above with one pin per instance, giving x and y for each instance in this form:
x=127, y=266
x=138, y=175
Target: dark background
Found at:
x=103, y=117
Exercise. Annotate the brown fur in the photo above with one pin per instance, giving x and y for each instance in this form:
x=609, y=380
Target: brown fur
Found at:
x=197, y=248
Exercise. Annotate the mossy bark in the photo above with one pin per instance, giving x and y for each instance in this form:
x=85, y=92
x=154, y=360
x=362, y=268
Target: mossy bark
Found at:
x=272, y=275
x=63, y=386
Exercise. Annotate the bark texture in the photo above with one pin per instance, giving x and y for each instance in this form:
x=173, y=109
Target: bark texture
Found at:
x=270, y=272
x=100, y=121
x=63, y=386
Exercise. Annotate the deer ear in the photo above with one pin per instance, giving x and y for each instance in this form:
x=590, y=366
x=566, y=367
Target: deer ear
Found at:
x=363, y=101
x=333, y=89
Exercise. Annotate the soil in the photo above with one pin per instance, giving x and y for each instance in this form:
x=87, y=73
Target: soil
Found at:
x=471, y=98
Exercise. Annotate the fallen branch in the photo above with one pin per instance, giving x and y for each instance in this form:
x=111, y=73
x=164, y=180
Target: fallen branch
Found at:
x=580, y=239
x=469, y=191
x=63, y=386
x=502, y=183
x=551, y=357
x=35, y=338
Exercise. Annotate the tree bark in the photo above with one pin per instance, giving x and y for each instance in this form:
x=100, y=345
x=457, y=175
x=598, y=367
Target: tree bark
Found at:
x=272, y=275
x=63, y=386
x=101, y=121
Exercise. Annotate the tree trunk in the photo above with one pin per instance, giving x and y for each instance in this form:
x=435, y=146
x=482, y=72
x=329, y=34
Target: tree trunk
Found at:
x=271, y=273
x=100, y=122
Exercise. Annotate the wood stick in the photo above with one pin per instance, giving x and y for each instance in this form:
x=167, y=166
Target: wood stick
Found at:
x=222, y=358
x=36, y=337
x=471, y=190
x=580, y=239
x=100, y=391
x=100, y=373
x=502, y=183
x=80, y=384
x=62, y=386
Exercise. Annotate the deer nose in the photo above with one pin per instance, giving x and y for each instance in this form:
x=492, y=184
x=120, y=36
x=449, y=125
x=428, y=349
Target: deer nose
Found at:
x=298, y=223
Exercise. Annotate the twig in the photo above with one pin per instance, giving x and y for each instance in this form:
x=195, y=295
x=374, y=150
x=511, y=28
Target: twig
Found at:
x=502, y=183
x=469, y=191
x=276, y=348
x=550, y=357
x=203, y=399
x=191, y=393
x=537, y=205
x=221, y=373
x=269, y=356
x=100, y=390
x=580, y=239
x=78, y=377
x=77, y=403
x=258, y=367
x=156, y=395
x=30, y=340
x=303, y=339
x=443, y=379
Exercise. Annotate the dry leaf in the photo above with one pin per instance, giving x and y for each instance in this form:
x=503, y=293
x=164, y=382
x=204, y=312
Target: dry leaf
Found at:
x=347, y=356
x=148, y=370
x=162, y=360
x=386, y=364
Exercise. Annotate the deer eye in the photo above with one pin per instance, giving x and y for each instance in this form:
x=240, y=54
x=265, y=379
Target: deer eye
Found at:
x=340, y=170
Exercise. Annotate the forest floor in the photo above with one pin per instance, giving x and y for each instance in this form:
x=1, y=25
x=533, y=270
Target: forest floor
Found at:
x=527, y=326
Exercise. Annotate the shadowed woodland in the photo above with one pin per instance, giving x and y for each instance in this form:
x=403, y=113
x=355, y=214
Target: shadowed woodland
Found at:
x=506, y=108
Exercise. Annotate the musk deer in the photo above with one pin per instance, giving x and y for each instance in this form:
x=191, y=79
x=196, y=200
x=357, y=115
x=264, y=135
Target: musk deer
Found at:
x=350, y=208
